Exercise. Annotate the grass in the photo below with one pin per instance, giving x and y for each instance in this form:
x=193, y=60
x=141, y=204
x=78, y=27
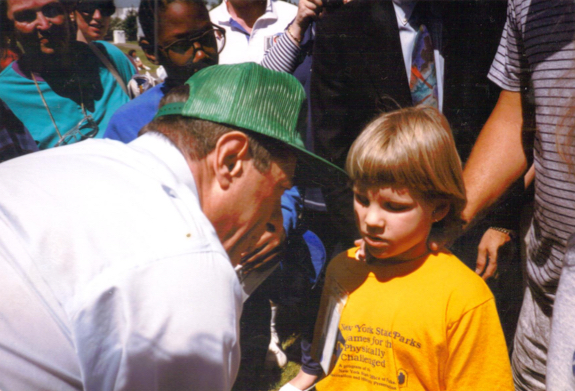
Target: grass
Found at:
x=258, y=379
x=134, y=45
x=289, y=323
x=291, y=347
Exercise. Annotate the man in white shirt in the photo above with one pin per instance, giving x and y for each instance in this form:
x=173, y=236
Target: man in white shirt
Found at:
x=116, y=260
x=251, y=27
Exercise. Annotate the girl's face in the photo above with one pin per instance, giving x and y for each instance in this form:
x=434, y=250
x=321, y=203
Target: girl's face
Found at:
x=395, y=221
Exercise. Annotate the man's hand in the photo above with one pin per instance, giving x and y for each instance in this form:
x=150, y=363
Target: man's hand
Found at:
x=307, y=11
x=266, y=249
x=360, y=255
x=488, y=248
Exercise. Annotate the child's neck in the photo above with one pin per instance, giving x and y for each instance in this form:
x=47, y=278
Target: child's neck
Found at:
x=402, y=258
x=387, y=269
x=420, y=250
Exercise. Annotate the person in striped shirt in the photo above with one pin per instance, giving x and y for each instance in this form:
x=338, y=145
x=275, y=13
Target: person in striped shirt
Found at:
x=533, y=63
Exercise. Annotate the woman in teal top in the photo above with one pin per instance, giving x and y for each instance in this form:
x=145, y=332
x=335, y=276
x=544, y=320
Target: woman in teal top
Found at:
x=66, y=96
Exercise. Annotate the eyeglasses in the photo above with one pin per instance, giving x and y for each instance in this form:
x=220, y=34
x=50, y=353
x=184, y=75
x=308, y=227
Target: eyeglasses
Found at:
x=212, y=38
x=107, y=8
x=50, y=10
x=86, y=128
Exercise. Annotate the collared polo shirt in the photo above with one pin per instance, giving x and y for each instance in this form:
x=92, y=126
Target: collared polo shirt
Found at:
x=244, y=47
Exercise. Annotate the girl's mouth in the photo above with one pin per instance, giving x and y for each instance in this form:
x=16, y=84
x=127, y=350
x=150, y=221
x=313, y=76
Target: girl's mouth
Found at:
x=374, y=241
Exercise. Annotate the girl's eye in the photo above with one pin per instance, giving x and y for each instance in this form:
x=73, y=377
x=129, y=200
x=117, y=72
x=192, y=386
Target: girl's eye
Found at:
x=361, y=199
x=395, y=207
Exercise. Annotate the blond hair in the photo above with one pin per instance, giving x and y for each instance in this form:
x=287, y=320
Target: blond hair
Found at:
x=413, y=147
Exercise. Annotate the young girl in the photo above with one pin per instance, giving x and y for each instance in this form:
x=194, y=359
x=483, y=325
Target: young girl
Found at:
x=413, y=319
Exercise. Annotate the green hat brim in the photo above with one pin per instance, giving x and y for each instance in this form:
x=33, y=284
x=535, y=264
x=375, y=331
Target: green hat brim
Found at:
x=249, y=97
x=311, y=170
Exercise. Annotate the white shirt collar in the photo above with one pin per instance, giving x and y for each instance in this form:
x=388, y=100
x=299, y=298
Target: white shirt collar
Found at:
x=166, y=152
x=270, y=12
x=403, y=10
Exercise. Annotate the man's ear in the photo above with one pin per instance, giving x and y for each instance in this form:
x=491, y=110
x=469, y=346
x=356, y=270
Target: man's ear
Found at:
x=149, y=51
x=441, y=210
x=232, y=150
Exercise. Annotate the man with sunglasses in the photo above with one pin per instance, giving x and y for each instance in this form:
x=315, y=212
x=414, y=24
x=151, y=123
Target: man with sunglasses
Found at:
x=92, y=18
x=60, y=89
x=186, y=42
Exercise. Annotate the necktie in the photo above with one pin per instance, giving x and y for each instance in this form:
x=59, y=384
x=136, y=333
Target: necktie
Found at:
x=423, y=81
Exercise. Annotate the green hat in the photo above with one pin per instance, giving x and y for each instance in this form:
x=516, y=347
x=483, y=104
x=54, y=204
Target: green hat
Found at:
x=251, y=97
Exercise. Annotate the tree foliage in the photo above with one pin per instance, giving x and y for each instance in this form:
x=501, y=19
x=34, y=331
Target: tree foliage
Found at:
x=130, y=25
x=115, y=24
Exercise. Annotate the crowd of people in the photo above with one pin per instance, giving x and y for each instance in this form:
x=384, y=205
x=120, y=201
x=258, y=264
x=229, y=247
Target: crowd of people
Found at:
x=397, y=177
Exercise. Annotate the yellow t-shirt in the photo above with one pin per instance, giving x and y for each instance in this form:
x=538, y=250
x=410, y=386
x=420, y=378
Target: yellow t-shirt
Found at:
x=429, y=324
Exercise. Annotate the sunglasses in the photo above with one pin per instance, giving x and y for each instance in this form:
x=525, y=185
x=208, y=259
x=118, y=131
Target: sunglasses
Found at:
x=86, y=128
x=214, y=37
x=107, y=8
x=50, y=10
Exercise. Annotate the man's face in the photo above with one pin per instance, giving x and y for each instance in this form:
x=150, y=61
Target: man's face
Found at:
x=255, y=205
x=247, y=3
x=180, y=22
x=42, y=26
x=93, y=18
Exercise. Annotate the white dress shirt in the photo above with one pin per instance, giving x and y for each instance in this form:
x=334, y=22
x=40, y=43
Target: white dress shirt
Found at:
x=112, y=277
x=244, y=47
x=407, y=35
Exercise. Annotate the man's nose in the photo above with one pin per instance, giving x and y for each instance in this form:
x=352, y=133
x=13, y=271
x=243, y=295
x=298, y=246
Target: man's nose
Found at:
x=200, y=54
x=42, y=22
x=97, y=15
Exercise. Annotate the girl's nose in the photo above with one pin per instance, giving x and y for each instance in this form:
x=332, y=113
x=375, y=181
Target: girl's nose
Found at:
x=373, y=218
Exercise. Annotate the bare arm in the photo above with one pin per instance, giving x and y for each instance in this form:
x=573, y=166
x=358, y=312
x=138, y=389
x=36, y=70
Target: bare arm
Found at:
x=497, y=159
x=529, y=176
x=284, y=55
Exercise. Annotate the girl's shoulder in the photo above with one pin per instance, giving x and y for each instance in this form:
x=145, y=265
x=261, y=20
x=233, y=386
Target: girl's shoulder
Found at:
x=446, y=273
x=342, y=262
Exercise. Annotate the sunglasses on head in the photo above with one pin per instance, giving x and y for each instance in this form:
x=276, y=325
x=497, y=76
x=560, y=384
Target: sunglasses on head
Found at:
x=50, y=10
x=107, y=8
